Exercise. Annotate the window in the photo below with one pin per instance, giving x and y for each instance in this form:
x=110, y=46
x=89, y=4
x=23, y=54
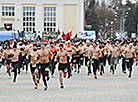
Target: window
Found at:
x=8, y=11
x=29, y=19
x=49, y=19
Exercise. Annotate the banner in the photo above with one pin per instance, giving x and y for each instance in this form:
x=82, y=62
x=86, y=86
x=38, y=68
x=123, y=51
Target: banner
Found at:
x=87, y=35
x=7, y=35
x=120, y=34
x=133, y=35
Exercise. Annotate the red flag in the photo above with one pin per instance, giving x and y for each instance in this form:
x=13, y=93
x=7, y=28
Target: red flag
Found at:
x=58, y=32
x=70, y=33
x=63, y=36
x=85, y=22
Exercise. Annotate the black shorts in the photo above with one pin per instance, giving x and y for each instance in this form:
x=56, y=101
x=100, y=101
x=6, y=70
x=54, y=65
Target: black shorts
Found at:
x=44, y=69
x=33, y=67
x=62, y=67
x=74, y=60
x=15, y=64
x=8, y=62
x=44, y=66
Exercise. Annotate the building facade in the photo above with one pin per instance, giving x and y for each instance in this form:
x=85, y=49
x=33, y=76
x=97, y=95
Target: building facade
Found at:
x=42, y=15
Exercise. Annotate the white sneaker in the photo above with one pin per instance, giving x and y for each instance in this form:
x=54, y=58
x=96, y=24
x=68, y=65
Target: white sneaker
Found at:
x=9, y=77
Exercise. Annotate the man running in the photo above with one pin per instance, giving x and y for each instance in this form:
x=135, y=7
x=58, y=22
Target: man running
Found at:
x=95, y=58
x=113, y=52
x=62, y=68
x=8, y=59
x=87, y=56
x=44, y=63
x=54, y=53
x=128, y=53
x=15, y=54
x=34, y=61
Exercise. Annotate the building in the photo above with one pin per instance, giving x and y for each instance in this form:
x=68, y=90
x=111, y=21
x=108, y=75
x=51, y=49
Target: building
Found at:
x=101, y=3
x=42, y=15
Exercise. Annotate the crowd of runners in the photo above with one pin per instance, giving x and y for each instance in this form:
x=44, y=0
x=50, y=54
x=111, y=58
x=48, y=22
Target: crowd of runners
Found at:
x=43, y=56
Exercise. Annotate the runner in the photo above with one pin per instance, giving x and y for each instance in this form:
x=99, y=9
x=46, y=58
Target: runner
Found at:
x=128, y=53
x=95, y=58
x=82, y=51
x=54, y=53
x=15, y=54
x=24, y=51
x=62, y=68
x=44, y=63
x=70, y=49
x=123, y=57
x=136, y=54
x=114, y=54
x=34, y=61
x=7, y=53
x=87, y=56
x=101, y=59
x=76, y=58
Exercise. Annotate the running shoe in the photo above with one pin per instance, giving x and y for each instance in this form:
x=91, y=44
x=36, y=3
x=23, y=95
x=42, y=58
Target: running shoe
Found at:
x=61, y=86
x=35, y=86
x=129, y=76
x=78, y=71
x=9, y=77
x=95, y=77
x=52, y=76
x=14, y=80
x=45, y=88
x=37, y=79
x=48, y=78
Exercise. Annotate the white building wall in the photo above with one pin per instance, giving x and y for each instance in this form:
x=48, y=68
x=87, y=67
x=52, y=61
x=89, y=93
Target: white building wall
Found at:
x=80, y=20
x=18, y=23
x=39, y=18
x=60, y=16
x=18, y=19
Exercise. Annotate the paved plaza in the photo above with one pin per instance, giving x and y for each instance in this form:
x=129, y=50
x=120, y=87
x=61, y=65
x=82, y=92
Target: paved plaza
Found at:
x=80, y=88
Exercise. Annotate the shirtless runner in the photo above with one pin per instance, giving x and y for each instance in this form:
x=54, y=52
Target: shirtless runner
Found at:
x=62, y=68
x=44, y=63
x=34, y=61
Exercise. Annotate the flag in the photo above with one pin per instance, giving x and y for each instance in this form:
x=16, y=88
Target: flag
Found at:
x=58, y=32
x=76, y=36
x=63, y=36
x=85, y=22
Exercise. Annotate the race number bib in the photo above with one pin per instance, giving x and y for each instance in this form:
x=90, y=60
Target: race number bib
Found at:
x=66, y=70
x=127, y=60
x=47, y=69
x=33, y=65
x=74, y=61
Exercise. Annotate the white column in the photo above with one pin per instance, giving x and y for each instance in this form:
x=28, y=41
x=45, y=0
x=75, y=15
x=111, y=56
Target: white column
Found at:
x=18, y=23
x=80, y=17
x=0, y=15
x=39, y=21
x=60, y=16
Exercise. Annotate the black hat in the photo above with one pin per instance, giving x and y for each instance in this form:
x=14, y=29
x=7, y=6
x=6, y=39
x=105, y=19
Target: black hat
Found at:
x=35, y=45
x=14, y=46
x=25, y=43
x=51, y=43
x=61, y=45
